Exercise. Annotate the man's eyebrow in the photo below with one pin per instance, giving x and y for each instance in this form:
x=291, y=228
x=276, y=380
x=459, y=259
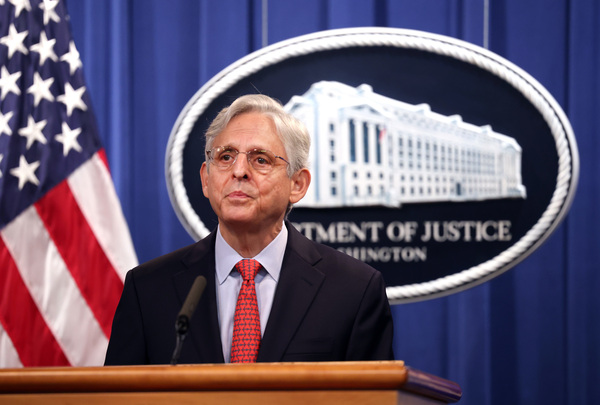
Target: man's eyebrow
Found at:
x=251, y=147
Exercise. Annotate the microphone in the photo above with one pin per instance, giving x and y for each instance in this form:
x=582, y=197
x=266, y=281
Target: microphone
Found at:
x=182, y=323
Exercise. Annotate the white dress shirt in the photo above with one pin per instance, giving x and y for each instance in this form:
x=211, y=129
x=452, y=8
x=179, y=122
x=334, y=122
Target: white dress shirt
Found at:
x=229, y=281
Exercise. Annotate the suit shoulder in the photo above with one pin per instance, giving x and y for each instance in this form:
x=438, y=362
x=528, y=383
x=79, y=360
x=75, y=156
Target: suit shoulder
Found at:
x=332, y=256
x=327, y=259
x=173, y=262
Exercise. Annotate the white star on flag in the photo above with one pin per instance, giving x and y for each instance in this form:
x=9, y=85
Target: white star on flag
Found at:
x=4, y=127
x=49, y=13
x=33, y=131
x=68, y=138
x=20, y=5
x=72, y=98
x=8, y=82
x=45, y=48
x=14, y=41
x=41, y=89
x=26, y=172
x=72, y=58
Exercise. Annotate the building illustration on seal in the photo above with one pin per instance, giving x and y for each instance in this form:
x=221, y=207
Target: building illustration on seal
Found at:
x=368, y=149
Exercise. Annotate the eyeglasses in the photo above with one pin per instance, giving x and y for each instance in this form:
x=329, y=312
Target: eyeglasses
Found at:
x=261, y=160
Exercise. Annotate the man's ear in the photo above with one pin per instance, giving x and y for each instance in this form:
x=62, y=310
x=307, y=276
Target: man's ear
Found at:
x=204, y=178
x=300, y=182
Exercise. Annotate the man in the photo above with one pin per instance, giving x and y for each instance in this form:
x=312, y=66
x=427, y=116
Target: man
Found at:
x=314, y=303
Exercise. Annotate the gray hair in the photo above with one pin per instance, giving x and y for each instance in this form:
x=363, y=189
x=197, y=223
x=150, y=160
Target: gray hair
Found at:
x=291, y=131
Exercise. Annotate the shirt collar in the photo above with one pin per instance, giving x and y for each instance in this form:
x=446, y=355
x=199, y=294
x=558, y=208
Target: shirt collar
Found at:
x=271, y=257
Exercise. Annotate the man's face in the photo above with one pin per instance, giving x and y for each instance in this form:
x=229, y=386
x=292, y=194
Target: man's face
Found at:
x=242, y=197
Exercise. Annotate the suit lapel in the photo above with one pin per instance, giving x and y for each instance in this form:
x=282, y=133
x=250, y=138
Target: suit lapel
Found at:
x=299, y=282
x=204, y=330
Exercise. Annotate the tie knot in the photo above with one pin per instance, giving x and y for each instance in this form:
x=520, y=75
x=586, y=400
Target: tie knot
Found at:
x=248, y=268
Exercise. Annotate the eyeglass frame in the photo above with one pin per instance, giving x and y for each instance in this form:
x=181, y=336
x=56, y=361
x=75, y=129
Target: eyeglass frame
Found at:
x=210, y=157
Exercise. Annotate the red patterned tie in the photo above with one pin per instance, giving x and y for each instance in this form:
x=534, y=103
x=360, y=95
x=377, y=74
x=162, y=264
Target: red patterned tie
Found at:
x=246, y=321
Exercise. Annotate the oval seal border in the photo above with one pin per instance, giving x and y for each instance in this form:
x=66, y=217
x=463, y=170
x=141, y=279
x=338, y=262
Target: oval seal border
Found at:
x=531, y=89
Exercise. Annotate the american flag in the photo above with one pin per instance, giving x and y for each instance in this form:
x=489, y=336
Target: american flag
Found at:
x=64, y=243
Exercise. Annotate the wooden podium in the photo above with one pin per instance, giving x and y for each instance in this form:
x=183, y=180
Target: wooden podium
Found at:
x=387, y=382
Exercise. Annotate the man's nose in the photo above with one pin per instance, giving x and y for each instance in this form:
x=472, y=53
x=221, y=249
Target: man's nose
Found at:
x=241, y=167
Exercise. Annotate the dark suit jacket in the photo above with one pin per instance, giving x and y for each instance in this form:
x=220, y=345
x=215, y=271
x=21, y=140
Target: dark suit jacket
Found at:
x=327, y=307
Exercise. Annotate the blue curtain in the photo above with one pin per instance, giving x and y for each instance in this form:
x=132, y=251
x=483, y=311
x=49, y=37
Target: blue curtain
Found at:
x=529, y=336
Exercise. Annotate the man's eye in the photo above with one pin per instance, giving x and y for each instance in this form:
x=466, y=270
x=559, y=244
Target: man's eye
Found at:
x=226, y=156
x=261, y=159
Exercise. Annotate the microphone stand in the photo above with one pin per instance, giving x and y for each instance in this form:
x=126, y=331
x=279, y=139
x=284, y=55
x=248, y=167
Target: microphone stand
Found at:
x=183, y=318
x=181, y=328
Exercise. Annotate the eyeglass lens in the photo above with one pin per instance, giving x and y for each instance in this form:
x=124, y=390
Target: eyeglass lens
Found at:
x=260, y=159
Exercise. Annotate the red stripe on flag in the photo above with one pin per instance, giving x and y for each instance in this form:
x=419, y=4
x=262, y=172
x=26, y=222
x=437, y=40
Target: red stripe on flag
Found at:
x=103, y=158
x=92, y=271
x=31, y=337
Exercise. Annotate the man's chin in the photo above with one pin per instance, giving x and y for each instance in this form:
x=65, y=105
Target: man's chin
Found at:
x=239, y=220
